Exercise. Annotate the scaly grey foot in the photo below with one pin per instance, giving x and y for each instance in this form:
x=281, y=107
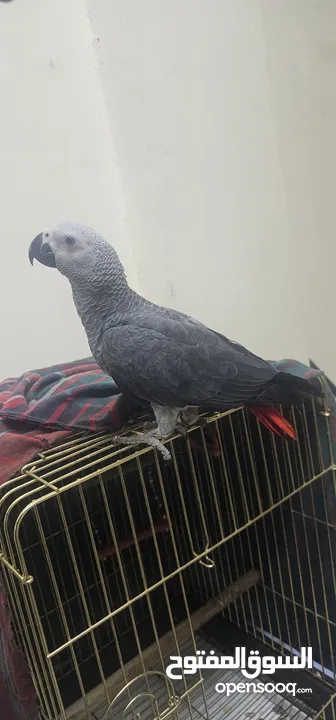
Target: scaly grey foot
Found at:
x=182, y=428
x=142, y=438
x=149, y=426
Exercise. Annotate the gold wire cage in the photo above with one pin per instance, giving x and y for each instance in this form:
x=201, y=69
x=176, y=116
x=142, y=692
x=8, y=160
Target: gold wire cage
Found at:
x=113, y=560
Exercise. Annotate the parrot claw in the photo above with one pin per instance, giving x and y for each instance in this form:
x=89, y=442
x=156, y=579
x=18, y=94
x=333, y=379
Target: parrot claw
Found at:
x=149, y=427
x=182, y=429
x=142, y=438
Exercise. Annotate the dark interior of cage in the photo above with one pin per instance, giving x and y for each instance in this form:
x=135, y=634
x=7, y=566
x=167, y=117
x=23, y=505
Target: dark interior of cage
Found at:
x=192, y=503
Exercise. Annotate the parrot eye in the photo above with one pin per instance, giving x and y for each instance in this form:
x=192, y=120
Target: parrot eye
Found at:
x=69, y=240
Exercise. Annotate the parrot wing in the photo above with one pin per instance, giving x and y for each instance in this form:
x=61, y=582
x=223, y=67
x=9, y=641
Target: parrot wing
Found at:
x=170, y=359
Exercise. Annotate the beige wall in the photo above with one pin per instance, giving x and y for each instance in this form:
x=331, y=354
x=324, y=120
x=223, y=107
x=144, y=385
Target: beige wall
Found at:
x=57, y=161
x=207, y=155
x=224, y=119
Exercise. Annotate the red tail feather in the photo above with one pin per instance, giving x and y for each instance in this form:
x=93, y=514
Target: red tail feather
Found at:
x=273, y=420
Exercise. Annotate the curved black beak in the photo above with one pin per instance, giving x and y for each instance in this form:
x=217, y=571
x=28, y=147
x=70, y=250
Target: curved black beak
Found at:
x=42, y=252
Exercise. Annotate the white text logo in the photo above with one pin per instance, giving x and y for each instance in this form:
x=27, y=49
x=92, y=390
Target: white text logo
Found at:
x=251, y=666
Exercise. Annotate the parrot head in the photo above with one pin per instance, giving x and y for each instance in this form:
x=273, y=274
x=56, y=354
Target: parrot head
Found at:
x=77, y=251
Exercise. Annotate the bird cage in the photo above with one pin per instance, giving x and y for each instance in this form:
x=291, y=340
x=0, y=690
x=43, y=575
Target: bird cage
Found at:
x=113, y=560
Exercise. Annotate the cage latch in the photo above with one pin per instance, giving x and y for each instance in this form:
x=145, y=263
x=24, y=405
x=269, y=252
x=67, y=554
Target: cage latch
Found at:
x=26, y=470
x=24, y=579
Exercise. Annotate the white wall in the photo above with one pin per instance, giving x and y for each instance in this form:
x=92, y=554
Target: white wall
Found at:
x=223, y=114
x=300, y=39
x=56, y=162
x=214, y=148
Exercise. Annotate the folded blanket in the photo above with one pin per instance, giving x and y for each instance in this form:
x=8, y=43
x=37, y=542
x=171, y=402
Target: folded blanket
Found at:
x=44, y=406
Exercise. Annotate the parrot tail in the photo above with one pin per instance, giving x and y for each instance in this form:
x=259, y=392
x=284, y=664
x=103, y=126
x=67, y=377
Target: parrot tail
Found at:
x=273, y=420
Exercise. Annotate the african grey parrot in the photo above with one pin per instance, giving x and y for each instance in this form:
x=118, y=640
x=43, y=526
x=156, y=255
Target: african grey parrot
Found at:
x=157, y=355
